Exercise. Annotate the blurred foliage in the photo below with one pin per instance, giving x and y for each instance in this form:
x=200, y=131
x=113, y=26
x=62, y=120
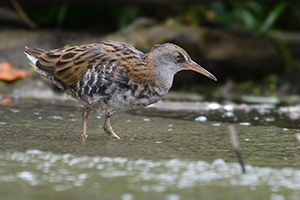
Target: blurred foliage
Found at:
x=98, y=18
x=261, y=16
x=255, y=15
x=268, y=86
x=126, y=15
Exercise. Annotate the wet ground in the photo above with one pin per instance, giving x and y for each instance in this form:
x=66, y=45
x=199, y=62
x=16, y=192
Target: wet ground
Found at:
x=170, y=151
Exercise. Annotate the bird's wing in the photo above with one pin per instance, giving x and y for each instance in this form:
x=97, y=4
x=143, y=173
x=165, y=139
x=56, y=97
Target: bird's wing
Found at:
x=95, y=66
x=70, y=64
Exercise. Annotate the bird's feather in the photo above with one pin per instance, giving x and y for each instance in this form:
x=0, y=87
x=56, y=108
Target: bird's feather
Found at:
x=106, y=63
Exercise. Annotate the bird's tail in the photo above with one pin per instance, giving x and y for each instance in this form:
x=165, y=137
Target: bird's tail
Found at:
x=34, y=55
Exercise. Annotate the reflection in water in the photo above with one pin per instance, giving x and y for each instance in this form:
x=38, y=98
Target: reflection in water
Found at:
x=67, y=172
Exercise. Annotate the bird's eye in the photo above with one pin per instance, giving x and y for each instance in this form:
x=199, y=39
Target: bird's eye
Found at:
x=178, y=56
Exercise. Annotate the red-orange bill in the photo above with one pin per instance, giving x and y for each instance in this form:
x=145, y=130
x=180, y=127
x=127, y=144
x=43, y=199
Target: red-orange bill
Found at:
x=197, y=68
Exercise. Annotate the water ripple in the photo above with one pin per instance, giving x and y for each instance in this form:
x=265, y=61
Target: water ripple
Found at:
x=66, y=171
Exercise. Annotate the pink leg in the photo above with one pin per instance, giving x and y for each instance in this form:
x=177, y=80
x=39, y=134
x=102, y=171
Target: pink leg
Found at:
x=85, y=115
x=108, y=129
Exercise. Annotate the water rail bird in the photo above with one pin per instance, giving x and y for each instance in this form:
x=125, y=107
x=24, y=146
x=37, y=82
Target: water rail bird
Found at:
x=113, y=76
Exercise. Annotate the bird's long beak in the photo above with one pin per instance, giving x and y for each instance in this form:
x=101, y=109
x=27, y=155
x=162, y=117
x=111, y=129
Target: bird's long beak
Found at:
x=197, y=68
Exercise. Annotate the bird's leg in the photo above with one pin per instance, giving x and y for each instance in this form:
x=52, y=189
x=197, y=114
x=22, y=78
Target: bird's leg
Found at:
x=85, y=115
x=108, y=129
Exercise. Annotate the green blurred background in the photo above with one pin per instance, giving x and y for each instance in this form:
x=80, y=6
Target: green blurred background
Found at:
x=277, y=22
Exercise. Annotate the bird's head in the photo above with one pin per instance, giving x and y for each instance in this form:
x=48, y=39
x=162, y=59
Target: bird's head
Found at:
x=173, y=58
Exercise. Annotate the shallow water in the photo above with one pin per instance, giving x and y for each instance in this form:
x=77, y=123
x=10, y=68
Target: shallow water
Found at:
x=163, y=154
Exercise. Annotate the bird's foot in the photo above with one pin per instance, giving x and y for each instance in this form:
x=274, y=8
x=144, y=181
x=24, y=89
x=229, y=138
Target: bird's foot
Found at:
x=111, y=133
x=115, y=136
x=108, y=129
x=83, y=138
